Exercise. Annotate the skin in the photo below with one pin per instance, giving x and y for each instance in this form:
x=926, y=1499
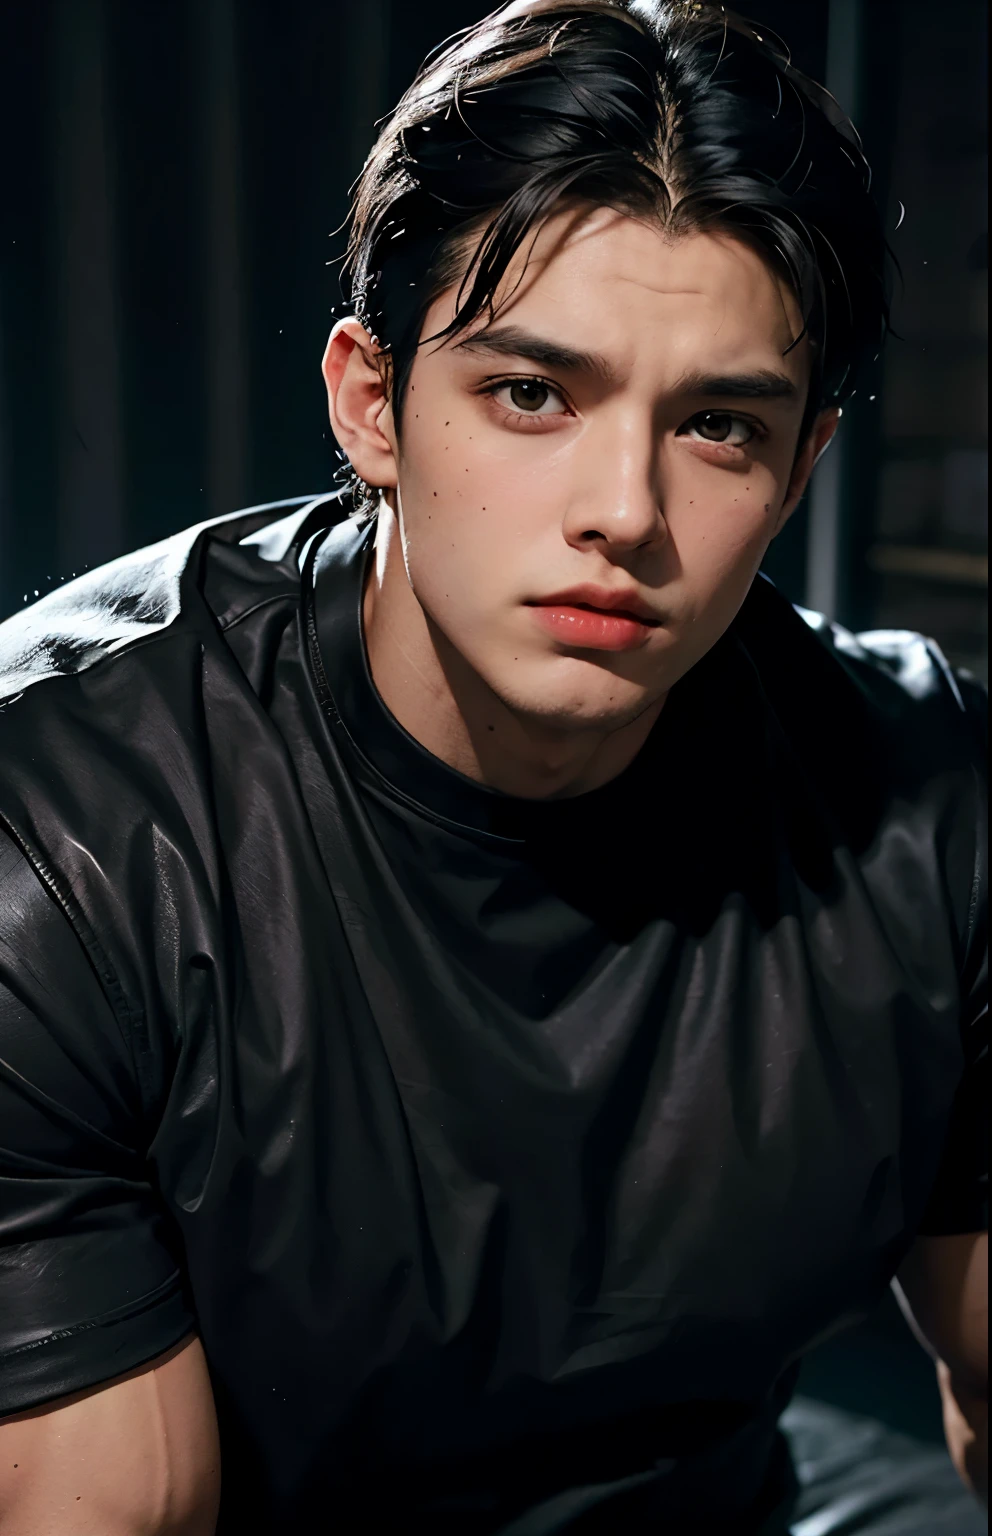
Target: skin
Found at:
x=139, y=1456
x=943, y=1289
x=481, y=514
x=486, y=509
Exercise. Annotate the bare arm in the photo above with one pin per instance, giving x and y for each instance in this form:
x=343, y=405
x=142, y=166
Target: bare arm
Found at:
x=943, y=1289
x=137, y=1457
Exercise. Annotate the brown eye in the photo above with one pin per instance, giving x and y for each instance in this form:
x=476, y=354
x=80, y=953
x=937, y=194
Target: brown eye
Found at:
x=528, y=394
x=529, y=397
x=714, y=426
x=721, y=427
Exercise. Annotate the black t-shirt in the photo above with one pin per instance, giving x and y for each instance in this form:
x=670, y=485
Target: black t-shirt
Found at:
x=506, y=1156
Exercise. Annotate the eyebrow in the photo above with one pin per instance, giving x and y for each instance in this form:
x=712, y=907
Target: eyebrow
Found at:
x=514, y=341
x=755, y=384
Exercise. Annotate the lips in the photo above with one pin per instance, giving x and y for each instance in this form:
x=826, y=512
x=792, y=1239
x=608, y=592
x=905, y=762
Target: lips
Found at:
x=613, y=613
x=624, y=603
x=596, y=619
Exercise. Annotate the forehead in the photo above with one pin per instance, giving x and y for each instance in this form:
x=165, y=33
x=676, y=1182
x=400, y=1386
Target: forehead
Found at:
x=629, y=289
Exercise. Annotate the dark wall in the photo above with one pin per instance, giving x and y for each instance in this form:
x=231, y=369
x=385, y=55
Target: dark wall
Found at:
x=172, y=173
x=927, y=558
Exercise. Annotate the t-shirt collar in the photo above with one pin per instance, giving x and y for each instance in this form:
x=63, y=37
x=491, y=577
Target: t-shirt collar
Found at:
x=372, y=734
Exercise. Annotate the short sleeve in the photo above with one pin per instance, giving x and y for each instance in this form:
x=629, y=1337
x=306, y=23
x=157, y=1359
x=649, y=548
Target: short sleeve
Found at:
x=91, y=1277
x=959, y=1199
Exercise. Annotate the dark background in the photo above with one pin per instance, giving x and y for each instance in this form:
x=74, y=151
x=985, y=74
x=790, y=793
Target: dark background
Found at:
x=172, y=171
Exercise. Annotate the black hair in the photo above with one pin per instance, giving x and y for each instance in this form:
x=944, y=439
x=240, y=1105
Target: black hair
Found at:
x=685, y=112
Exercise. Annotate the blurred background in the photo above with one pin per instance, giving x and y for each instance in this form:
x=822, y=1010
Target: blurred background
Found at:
x=172, y=173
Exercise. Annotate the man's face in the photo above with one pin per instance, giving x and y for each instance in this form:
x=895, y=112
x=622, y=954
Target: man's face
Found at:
x=624, y=432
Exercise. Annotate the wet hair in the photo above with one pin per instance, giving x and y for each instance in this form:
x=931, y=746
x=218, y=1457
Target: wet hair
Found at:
x=685, y=113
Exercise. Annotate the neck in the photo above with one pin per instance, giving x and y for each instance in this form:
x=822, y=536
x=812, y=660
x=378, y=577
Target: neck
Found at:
x=445, y=705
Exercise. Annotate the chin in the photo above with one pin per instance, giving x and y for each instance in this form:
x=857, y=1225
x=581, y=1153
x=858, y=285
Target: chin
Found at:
x=602, y=702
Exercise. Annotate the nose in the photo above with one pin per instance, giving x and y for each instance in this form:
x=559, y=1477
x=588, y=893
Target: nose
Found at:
x=617, y=496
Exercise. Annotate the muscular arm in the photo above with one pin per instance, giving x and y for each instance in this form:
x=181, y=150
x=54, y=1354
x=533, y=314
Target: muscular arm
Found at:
x=943, y=1289
x=138, y=1456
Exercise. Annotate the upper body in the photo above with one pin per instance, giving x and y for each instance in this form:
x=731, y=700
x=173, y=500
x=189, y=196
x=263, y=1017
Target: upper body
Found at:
x=497, y=1168
x=497, y=976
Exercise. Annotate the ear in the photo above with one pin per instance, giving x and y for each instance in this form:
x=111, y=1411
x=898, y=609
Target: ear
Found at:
x=817, y=442
x=358, y=403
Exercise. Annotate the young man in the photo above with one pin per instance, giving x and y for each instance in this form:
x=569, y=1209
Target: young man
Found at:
x=488, y=985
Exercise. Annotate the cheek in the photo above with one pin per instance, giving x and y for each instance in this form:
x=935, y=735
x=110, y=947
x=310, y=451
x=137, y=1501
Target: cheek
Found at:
x=457, y=532
x=720, y=528
x=454, y=446
x=457, y=493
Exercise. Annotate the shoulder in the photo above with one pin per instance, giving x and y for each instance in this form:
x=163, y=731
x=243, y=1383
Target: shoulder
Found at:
x=875, y=745
x=883, y=702
x=216, y=571
x=123, y=698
